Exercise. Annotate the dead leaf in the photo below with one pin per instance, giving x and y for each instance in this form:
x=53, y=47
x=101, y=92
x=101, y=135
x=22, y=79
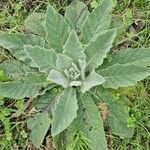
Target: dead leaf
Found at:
x=104, y=110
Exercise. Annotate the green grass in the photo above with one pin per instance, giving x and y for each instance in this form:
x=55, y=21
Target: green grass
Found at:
x=136, y=33
x=138, y=106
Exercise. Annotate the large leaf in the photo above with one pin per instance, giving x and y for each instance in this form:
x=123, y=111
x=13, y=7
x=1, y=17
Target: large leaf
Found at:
x=36, y=40
x=58, y=78
x=44, y=101
x=118, y=114
x=123, y=75
x=136, y=56
x=92, y=80
x=41, y=58
x=18, y=90
x=14, y=43
x=57, y=30
x=73, y=47
x=35, y=78
x=118, y=121
x=76, y=14
x=90, y=123
x=39, y=126
x=98, y=21
x=33, y=23
x=96, y=50
x=65, y=111
x=118, y=24
x=14, y=69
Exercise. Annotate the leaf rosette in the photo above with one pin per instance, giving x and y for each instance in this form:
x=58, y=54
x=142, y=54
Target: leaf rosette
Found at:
x=59, y=61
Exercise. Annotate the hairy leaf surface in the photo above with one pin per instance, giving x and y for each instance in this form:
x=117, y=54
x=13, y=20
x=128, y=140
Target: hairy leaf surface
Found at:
x=73, y=47
x=76, y=14
x=41, y=58
x=122, y=75
x=82, y=65
x=118, y=114
x=58, y=78
x=44, y=101
x=136, y=56
x=36, y=40
x=97, y=21
x=39, y=126
x=57, y=30
x=63, y=62
x=33, y=23
x=92, y=80
x=35, y=78
x=14, y=43
x=18, y=90
x=96, y=50
x=65, y=111
x=117, y=120
x=14, y=69
x=90, y=123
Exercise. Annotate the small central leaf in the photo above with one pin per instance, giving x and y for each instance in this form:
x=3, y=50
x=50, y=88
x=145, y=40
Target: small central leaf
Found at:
x=58, y=78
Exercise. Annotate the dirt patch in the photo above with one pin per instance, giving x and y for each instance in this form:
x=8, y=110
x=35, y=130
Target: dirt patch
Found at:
x=3, y=3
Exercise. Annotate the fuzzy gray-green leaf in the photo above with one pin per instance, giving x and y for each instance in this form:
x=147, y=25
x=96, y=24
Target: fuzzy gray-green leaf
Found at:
x=65, y=111
x=63, y=62
x=76, y=14
x=75, y=83
x=33, y=23
x=18, y=90
x=58, y=78
x=14, y=43
x=118, y=120
x=119, y=75
x=118, y=114
x=90, y=123
x=35, y=78
x=136, y=56
x=97, y=21
x=96, y=50
x=92, y=80
x=14, y=69
x=57, y=30
x=73, y=47
x=41, y=58
x=82, y=65
x=44, y=101
x=39, y=126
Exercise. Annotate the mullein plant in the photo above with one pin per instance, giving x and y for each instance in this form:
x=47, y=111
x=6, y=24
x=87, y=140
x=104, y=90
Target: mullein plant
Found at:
x=61, y=63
